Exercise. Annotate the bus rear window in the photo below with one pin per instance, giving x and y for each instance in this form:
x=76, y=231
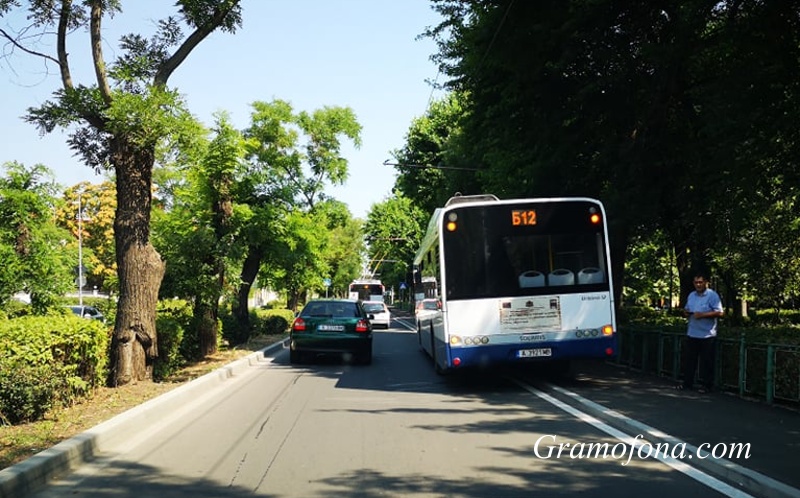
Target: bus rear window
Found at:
x=489, y=255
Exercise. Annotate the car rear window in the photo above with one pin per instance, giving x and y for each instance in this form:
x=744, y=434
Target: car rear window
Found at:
x=371, y=308
x=337, y=310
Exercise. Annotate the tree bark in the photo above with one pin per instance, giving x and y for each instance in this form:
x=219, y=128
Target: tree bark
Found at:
x=252, y=264
x=134, y=345
x=205, y=321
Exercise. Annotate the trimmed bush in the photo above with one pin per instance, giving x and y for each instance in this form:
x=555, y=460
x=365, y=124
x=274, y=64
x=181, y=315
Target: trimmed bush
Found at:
x=27, y=392
x=271, y=322
x=65, y=354
x=176, y=343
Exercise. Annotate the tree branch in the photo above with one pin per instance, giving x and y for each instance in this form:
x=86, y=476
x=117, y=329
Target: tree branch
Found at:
x=14, y=42
x=169, y=65
x=97, y=50
x=61, y=41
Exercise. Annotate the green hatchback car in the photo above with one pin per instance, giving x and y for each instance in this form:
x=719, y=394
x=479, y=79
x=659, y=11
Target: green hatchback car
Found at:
x=331, y=326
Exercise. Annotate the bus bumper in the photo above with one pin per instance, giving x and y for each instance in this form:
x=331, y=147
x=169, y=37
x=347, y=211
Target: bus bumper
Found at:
x=482, y=356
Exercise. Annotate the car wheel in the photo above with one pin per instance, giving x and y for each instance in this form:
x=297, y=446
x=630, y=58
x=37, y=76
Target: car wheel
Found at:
x=295, y=356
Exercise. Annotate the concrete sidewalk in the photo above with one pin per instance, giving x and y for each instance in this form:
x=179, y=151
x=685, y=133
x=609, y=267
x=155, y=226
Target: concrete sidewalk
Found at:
x=30, y=475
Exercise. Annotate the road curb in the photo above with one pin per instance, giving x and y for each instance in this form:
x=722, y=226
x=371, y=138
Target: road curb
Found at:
x=30, y=475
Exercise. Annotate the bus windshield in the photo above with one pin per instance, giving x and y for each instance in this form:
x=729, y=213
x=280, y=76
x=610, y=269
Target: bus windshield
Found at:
x=513, y=250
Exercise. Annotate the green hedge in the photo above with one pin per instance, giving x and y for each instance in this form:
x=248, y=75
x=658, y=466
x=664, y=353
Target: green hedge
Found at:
x=271, y=321
x=176, y=343
x=49, y=359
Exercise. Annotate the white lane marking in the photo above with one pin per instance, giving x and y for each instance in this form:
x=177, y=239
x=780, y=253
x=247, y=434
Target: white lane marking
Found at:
x=402, y=321
x=676, y=464
x=672, y=440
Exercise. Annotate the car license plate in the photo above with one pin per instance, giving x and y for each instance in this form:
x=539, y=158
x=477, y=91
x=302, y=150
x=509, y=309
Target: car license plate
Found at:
x=331, y=328
x=534, y=353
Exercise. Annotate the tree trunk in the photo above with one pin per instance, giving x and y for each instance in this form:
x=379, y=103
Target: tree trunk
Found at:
x=205, y=321
x=252, y=264
x=140, y=269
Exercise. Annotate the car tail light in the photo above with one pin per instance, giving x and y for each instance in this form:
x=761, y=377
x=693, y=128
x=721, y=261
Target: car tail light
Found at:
x=299, y=325
x=362, y=326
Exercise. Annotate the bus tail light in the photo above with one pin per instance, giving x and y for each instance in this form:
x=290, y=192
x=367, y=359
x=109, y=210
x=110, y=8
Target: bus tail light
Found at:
x=456, y=361
x=455, y=340
x=609, y=351
x=299, y=325
x=608, y=330
x=362, y=326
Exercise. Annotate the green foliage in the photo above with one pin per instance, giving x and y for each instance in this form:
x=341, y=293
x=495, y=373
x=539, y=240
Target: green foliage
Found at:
x=394, y=231
x=681, y=120
x=650, y=274
x=431, y=143
x=775, y=317
x=632, y=315
x=271, y=322
x=27, y=392
x=14, y=309
x=73, y=350
x=343, y=255
x=32, y=258
x=181, y=343
x=170, y=338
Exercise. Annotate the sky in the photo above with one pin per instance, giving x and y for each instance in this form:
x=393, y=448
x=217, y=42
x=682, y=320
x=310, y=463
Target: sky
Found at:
x=362, y=54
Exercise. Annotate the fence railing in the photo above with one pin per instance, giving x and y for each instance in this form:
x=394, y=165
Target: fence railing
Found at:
x=767, y=371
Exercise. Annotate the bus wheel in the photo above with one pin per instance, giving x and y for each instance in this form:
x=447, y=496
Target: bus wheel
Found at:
x=439, y=370
x=433, y=349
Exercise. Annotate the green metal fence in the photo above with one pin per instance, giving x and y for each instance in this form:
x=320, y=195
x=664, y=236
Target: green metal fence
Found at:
x=770, y=372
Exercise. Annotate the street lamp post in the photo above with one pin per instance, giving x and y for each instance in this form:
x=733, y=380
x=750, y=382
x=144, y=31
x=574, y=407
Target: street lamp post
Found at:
x=80, y=251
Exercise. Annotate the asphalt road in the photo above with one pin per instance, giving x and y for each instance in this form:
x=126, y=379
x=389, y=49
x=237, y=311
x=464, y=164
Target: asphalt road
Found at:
x=395, y=428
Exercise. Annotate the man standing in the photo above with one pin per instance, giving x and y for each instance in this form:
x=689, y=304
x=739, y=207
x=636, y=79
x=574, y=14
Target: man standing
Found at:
x=703, y=308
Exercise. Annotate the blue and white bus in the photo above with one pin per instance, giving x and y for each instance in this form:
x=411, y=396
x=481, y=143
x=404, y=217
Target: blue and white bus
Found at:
x=518, y=281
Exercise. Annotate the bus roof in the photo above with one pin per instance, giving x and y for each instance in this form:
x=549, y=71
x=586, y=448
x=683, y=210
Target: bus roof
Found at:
x=461, y=199
x=370, y=281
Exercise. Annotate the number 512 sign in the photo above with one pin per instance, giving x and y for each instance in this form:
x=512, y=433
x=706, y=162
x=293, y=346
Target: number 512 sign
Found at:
x=523, y=217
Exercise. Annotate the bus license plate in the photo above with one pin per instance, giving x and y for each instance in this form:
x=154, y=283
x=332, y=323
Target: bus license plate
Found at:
x=534, y=353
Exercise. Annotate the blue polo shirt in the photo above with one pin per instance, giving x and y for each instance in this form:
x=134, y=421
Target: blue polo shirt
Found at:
x=703, y=328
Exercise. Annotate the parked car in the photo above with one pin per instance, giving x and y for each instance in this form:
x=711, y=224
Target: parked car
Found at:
x=378, y=313
x=331, y=326
x=87, y=312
